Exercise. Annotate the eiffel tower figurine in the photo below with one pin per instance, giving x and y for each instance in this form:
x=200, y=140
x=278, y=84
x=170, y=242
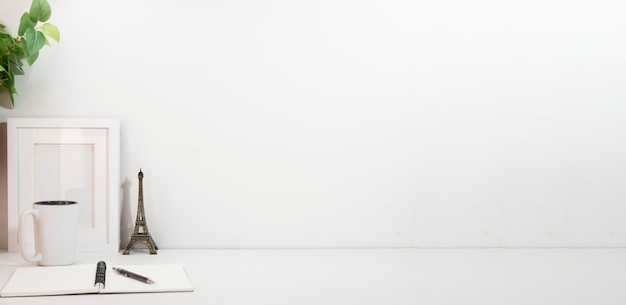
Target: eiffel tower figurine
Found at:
x=141, y=233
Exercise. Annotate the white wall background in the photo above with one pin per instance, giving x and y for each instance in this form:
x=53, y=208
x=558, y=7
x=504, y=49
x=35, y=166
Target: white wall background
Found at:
x=346, y=123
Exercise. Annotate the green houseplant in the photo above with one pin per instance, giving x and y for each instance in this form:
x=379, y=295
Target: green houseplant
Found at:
x=32, y=35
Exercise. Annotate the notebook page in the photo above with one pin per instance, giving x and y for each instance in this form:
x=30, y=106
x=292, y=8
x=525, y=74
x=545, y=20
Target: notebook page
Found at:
x=57, y=280
x=167, y=278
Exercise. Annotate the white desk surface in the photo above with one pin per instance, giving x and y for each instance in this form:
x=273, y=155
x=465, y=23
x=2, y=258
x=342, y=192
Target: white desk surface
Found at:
x=375, y=276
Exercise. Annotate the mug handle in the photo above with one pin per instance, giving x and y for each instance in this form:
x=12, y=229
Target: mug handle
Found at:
x=35, y=214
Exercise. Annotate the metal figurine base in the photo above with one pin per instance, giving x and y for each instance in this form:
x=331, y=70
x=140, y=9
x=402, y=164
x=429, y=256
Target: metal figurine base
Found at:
x=141, y=238
x=141, y=233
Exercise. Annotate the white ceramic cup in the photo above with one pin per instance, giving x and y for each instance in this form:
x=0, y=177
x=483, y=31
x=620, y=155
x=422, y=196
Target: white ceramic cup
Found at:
x=55, y=229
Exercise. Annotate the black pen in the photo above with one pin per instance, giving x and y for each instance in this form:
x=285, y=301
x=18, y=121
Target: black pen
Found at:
x=101, y=269
x=134, y=276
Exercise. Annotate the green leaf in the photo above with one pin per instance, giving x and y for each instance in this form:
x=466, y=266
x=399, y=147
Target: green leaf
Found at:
x=16, y=66
x=2, y=68
x=40, y=11
x=31, y=59
x=11, y=93
x=20, y=49
x=51, y=31
x=34, y=40
x=10, y=85
x=40, y=40
x=25, y=23
x=5, y=35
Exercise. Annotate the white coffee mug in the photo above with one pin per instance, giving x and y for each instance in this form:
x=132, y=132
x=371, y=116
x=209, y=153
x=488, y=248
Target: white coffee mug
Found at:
x=55, y=229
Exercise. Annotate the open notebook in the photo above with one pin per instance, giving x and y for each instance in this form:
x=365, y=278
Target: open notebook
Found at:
x=80, y=279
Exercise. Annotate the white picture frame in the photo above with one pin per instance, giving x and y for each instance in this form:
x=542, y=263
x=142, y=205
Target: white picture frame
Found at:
x=66, y=159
